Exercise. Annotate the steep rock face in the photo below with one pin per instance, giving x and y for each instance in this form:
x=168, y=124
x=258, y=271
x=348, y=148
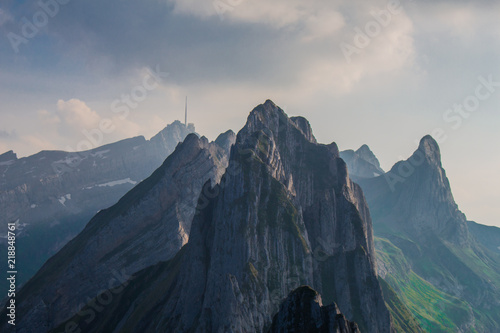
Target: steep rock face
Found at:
x=362, y=163
x=54, y=193
x=446, y=277
x=148, y=225
x=303, y=311
x=415, y=195
x=285, y=214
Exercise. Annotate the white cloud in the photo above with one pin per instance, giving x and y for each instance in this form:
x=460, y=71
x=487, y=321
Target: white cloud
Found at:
x=317, y=16
x=77, y=114
x=73, y=118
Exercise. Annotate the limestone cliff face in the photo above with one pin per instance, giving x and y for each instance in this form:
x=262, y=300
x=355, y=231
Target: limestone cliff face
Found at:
x=303, y=311
x=285, y=214
x=148, y=225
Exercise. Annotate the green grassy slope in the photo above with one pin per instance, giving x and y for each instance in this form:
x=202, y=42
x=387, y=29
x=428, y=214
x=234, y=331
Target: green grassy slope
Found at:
x=456, y=299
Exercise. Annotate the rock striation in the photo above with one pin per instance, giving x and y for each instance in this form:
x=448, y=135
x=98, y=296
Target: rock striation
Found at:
x=284, y=214
x=148, y=225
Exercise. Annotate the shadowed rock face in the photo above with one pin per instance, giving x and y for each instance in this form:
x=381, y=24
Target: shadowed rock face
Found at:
x=303, y=311
x=148, y=225
x=285, y=214
x=54, y=194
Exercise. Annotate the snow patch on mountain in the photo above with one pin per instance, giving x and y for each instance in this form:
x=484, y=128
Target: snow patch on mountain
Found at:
x=63, y=199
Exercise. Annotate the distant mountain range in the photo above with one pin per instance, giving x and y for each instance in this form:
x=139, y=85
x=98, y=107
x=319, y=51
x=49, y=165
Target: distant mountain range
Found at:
x=266, y=231
x=53, y=194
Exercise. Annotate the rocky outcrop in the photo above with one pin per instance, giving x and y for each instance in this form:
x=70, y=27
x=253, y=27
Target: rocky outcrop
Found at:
x=53, y=194
x=304, y=126
x=303, y=311
x=362, y=163
x=148, y=225
x=284, y=214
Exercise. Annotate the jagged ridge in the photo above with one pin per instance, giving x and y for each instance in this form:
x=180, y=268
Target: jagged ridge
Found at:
x=256, y=238
x=148, y=225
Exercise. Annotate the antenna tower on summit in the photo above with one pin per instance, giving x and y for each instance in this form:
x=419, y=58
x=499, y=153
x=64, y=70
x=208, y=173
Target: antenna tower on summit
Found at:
x=186, y=113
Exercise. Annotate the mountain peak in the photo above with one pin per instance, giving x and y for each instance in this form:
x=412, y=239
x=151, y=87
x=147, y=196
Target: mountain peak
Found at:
x=270, y=103
x=430, y=148
x=226, y=139
x=362, y=163
x=192, y=137
x=7, y=156
x=268, y=108
x=270, y=118
x=365, y=153
x=305, y=127
x=173, y=133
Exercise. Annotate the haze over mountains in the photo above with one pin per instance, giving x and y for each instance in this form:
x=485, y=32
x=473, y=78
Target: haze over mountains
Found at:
x=445, y=269
x=53, y=194
x=264, y=231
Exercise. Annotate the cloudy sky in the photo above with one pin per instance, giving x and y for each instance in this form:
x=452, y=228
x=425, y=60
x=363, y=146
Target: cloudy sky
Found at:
x=379, y=72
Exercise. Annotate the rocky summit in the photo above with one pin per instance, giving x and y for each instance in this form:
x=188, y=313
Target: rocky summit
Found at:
x=243, y=234
x=284, y=214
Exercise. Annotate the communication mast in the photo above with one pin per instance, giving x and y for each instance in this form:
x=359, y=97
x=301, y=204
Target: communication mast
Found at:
x=186, y=113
